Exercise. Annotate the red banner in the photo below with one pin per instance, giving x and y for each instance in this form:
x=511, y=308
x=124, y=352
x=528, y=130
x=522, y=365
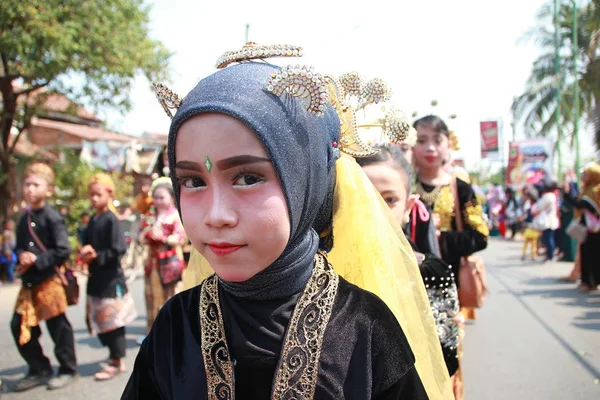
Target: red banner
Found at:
x=489, y=137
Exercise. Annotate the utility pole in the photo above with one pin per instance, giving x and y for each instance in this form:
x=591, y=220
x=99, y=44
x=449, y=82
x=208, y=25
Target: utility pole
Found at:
x=575, y=43
x=557, y=89
x=247, y=32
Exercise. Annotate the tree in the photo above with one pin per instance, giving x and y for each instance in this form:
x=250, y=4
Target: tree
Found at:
x=88, y=50
x=535, y=108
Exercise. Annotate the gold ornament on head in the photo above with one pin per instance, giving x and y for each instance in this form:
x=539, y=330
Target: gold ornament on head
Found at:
x=453, y=141
x=301, y=81
x=352, y=83
x=373, y=92
x=253, y=51
x=397, y=127
x=167, y=98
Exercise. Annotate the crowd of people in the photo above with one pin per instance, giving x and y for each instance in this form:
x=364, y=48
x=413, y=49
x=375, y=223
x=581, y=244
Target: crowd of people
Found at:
x=548, y=216
x=320, y=267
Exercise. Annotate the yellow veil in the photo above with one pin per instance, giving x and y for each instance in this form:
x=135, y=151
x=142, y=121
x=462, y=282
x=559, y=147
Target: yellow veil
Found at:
x=370, y=251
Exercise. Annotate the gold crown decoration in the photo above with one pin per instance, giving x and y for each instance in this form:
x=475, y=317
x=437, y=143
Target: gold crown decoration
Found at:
x=374, y=91
x=167, y=98
x=301, y=81
x=397, y=127
x=453, y=138
x=352, y=83
x=254, y=51
x=350, y=141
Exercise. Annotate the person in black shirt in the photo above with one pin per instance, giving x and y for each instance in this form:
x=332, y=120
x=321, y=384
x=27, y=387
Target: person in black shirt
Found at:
x=109, y=305
x=42, y=246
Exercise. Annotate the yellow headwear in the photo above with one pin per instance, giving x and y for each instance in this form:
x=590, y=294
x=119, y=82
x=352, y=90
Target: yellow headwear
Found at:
x=369, y=249
x=42, y=170
x=107, y=182
x=591, y=187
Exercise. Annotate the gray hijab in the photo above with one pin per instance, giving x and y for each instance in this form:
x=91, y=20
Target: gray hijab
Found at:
x=299, y=144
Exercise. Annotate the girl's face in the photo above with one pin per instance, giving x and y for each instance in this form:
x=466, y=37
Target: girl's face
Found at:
x=432, y=148
x=162, y=199
x=234, y=209
x=99, y=196
x=391, y=184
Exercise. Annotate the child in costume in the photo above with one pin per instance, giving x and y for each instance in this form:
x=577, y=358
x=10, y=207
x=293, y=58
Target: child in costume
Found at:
x=42, y=247
x=252, y=172
x=391, y=175
x=8, y=258
x=163, y=233
x=110, y=306
x=531, y=235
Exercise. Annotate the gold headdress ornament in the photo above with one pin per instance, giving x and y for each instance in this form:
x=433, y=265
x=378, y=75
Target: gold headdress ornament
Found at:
x=453, y=138
x=303, y=81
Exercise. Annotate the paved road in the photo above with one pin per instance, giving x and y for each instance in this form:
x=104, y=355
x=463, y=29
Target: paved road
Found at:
x=534, y=339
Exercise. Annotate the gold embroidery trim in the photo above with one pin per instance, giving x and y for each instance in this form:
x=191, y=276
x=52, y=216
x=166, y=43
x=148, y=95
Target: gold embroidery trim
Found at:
x=217, y=363
x=474, y=215
x=296, y=375
x=444, y=207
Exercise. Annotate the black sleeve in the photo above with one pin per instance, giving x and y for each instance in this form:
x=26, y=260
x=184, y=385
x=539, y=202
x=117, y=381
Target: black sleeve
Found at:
x=570, y=198
x=394, y=373
x=142, y=382
x=57, y=255
x=22, y=237
x=409, y=387
x=116, y=243
x=474, y=236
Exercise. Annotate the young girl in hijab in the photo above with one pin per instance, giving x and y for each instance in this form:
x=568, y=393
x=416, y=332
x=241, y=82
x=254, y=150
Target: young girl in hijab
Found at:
x=391, y=175
x=110, y=306
x=251, y=170
x=163, y=233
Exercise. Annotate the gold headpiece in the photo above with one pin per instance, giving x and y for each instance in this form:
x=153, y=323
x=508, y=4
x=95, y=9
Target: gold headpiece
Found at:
x=302, y=81
x=253, y=51
x=453, y=141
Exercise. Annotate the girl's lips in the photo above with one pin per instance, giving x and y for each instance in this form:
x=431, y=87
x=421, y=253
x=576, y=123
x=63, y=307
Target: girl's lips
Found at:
x=430, y=158
x=223, y=249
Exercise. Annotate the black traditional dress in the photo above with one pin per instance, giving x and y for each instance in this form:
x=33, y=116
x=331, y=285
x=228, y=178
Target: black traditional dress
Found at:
x=332, y=341
x=453, y=244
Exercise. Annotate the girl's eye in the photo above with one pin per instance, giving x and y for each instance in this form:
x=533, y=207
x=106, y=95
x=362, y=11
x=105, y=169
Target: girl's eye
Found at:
x=191, y=182
x=391, y=200
x=246, y=179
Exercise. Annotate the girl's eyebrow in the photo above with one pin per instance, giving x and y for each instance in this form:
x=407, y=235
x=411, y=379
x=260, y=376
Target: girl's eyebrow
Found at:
x=223, y=164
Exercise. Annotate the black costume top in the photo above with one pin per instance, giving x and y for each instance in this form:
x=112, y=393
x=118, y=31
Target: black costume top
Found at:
x=105, y=235
x=454, y=244
x=51, y=230
x=364, y=354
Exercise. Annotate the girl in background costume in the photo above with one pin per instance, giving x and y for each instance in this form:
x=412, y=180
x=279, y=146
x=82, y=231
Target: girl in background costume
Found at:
x=110, y=306
x=588, y=213
x=253, y=168
x=163, y=233
x=391, y=175
x=437, y=189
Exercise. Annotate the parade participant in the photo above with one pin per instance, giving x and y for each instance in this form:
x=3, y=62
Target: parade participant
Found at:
x=391, y=175
x=434, y=186
x=588, y=214
x=110, y=306
x=252, y=169
x=42, y=245
x=546, y=218
x=8, y=258
x=440, y=191
x=531, y=234
x=163, y=233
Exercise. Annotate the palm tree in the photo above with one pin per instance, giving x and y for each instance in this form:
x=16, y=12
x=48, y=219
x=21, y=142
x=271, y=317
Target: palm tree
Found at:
x=535, y=108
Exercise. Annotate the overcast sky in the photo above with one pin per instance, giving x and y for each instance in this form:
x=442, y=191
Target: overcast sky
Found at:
x=465, y=54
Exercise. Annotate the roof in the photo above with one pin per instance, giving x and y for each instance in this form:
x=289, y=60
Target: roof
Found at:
x=84, y=132
x=61, y=104
x=25, y=148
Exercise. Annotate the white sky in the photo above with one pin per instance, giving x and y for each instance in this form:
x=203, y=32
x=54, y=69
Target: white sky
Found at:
x=462, y=53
